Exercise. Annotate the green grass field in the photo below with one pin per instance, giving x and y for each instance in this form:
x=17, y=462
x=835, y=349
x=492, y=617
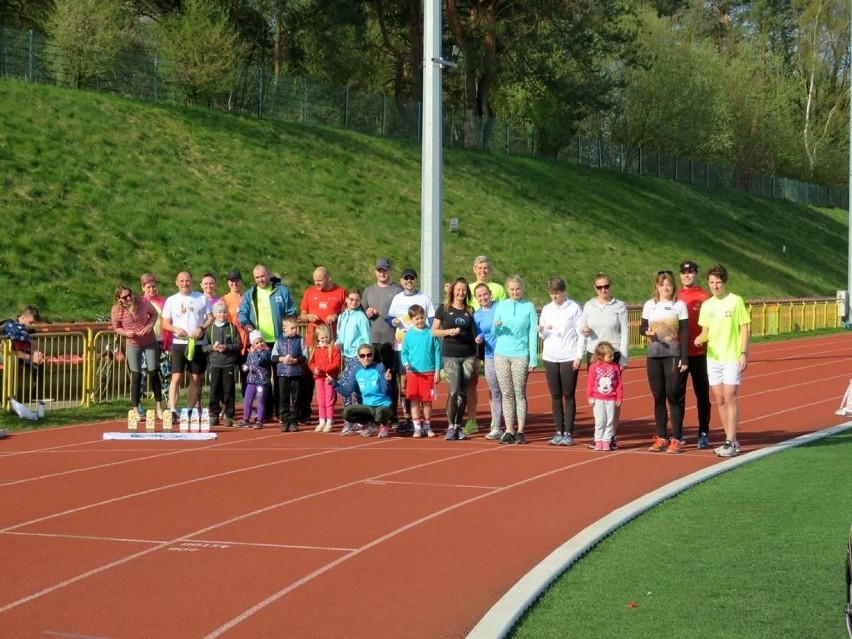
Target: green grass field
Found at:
x=757, y=553
x=96, y=190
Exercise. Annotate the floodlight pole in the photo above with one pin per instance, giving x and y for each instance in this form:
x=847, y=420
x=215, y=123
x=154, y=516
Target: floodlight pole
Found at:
x=848, y=313
x=431, y=199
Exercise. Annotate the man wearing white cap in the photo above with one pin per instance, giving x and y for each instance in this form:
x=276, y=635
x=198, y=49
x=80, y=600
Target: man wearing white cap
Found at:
x=376, y=301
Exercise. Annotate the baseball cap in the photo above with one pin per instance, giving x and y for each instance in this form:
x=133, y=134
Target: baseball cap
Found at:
x=688, y=265
x=383, y=263
x=409, y=271
x=235, y=275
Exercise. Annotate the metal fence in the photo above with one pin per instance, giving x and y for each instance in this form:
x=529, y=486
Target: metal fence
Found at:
x=86, y=366
x=27, y=56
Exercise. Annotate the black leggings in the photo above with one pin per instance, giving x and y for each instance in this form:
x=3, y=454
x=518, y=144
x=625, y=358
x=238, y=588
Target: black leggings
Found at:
x=562, y=384
x=701, y=387
x=664, y=379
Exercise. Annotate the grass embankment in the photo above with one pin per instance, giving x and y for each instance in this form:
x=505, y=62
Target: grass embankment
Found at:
x=757, y=553
x=97, y=190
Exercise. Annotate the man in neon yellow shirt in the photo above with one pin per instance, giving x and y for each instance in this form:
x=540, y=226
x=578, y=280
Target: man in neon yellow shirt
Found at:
x=724, y=324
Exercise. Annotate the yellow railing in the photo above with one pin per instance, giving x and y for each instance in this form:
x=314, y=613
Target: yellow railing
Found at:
x=87, y=366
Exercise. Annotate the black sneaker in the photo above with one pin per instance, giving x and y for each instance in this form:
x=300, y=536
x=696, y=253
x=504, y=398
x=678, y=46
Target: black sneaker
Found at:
x=520, y=438
x=508, y=438
x=612, y=444
x=406, y=426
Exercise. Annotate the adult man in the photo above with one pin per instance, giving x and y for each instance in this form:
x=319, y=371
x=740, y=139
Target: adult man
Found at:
x=398, y=319
x=187, y=315
x=692, y=295
x=376, y=301
x=321, y=304
x=264, y=307
x=482, y=271
x=232, y=299
x=724, y=324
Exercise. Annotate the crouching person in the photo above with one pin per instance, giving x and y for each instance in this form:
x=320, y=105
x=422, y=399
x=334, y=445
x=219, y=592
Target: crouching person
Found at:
x=372, y=381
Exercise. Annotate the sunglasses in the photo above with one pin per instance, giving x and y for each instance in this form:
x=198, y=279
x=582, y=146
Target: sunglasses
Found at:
x=125, y=297
x=409, y=277
x=365, y=355
x=669, y=273
x=602, y=287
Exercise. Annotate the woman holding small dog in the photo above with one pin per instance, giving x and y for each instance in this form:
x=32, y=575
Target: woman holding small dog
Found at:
x=664, y=325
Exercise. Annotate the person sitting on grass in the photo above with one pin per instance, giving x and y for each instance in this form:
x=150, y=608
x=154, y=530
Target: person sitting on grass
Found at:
x=372, y=380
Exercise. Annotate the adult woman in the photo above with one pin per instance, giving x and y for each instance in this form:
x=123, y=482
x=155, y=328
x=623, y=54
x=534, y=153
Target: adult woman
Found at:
x=483, y=319
x=515, y=355
x=605, y=319
x=150, y=292
x=561, y=329
x=453, y=324
x=133, y=317
x=664, y=324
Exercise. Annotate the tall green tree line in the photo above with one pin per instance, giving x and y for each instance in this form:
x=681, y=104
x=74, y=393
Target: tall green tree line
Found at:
x=760, y=85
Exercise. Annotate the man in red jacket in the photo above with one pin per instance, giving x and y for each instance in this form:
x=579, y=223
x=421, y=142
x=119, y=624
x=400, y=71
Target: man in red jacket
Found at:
x=692, y=295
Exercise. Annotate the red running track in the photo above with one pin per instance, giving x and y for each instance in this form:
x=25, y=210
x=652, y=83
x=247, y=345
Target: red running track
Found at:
x=264, y=534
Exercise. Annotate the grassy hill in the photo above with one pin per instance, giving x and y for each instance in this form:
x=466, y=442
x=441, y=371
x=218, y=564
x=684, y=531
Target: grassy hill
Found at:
x=96, y=190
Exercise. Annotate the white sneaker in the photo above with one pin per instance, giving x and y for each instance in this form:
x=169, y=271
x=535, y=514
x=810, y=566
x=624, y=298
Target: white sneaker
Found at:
x=494, y=433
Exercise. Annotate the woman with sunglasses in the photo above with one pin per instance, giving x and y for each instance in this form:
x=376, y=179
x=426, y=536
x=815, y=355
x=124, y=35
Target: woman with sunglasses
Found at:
x=372, y=381
x=133, y=317
x=605, y=320
x=666, y=328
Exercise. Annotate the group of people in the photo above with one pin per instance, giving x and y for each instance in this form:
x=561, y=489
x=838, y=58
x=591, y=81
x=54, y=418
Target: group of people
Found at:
x=385, y=349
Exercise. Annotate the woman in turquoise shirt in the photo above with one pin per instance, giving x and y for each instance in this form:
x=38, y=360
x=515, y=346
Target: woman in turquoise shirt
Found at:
x=515, y=355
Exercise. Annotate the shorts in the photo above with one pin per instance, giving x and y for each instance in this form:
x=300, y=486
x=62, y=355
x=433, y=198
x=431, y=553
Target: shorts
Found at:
x=420, y=386
x=180, y=364
x=727, y=373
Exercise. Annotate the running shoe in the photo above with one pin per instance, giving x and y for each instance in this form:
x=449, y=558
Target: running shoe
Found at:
x=520, y=438
x=703, y=442
x=567, y=440
x=368, y=430
x=675, y=446
x=494, y=433
x=659, y=445
x=507, y=438
x=348, y=429
x=384, y=431
x=727, y=450
x=452, y=434
x=556, y=441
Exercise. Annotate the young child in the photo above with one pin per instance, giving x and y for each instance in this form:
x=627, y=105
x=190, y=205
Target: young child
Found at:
x=372, y=380
x=289, y=354
x=353, y=329
x=421, y=358
x=257, y=380
x=604, y=392
x=221, y=343
x=324, y=364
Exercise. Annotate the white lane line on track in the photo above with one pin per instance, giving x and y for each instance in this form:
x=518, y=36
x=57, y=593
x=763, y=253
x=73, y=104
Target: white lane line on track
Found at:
x=379, y=540
x=200, y=542
x=190, y=536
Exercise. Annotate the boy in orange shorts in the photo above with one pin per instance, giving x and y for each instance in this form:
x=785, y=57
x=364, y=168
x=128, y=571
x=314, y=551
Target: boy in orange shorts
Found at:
x=421, y=358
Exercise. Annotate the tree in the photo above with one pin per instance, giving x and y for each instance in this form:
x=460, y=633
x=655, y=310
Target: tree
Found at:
x=26, y=14
x=87, y=38
x=200, y=50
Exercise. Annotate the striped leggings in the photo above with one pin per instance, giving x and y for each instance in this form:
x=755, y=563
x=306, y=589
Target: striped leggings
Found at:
x=512, y=374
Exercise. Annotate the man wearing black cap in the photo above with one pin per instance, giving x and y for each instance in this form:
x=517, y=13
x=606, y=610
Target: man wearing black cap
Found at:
x=398, y=319
x=692, y=295
x=376, y=301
